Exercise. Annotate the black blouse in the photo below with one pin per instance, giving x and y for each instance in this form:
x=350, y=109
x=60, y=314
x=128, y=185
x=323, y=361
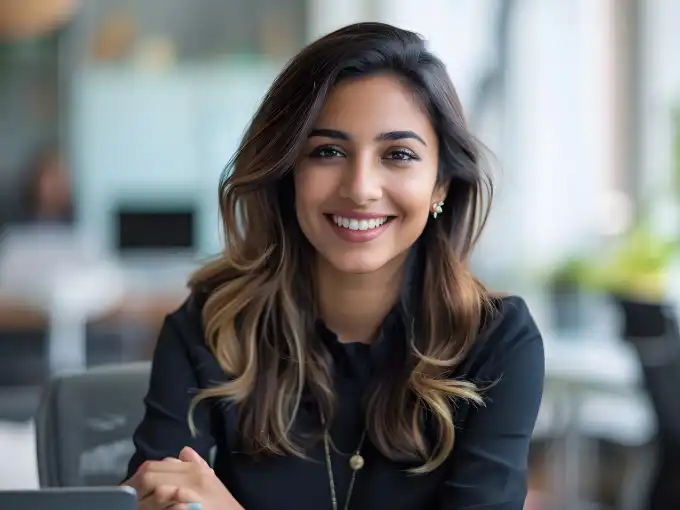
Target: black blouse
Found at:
x=487, y=469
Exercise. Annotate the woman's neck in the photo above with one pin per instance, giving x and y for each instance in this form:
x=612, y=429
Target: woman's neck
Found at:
x=354, y=306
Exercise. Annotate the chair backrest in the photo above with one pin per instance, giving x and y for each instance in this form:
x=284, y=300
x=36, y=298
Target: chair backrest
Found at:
x=85, y=424
x=644, y=319
x=652, y=329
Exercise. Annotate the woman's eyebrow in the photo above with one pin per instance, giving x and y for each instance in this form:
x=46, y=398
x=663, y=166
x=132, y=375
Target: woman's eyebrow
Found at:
x=342, y=135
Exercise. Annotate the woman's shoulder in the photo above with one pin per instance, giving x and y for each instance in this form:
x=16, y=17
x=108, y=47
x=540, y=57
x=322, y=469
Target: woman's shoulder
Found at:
x=509, y=320
x=187, y=320
x=183, y=338
x=508, y=328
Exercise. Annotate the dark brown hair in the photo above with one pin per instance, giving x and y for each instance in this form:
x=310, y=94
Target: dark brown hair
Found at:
x=260, y=313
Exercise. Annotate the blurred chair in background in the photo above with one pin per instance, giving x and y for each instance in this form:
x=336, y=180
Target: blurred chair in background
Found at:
x=653, y=330
x=85, y=424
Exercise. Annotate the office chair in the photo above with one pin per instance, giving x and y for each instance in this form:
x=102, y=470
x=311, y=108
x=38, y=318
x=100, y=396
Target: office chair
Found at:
x=85, y=423
x=652, y=329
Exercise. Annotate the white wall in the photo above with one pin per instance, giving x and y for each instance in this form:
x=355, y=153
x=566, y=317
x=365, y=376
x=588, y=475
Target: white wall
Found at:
x=661, y=89
x=458, y=31
x=559, y=127
x=324, y=16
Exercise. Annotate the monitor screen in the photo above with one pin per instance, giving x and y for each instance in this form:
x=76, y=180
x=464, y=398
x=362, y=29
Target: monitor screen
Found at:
x=148, y=230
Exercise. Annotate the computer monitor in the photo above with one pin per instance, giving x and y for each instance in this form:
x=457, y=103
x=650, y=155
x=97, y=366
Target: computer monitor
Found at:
x=160, y=230
x=104, y=498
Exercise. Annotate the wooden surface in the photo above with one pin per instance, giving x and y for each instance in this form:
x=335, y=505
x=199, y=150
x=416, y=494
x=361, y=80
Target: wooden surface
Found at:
x=16, y=315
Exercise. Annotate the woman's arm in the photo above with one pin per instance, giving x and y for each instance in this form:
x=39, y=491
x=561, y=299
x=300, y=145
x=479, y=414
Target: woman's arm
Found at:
x=488, y=470
x=164, y=430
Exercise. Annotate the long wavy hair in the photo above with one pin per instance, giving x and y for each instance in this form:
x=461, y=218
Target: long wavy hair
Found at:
x=260, y=312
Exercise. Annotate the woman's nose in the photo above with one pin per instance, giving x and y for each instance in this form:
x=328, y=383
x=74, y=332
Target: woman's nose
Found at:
x=361, y=182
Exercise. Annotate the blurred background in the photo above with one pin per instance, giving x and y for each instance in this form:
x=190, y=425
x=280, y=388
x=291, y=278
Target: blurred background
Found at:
x=118, y=116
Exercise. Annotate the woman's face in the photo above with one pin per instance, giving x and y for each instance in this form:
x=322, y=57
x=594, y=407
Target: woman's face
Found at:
x=365, y=181
x=53, y=194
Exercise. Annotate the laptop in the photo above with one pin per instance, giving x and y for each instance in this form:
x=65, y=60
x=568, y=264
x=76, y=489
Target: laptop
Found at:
x=94, y=498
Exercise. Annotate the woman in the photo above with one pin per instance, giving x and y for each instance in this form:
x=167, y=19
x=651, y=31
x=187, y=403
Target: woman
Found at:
x=340, y=354
x=47, y=191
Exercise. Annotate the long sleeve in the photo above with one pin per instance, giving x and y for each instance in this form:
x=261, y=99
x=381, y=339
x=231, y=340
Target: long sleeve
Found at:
x=164, y=430
x=488, y=469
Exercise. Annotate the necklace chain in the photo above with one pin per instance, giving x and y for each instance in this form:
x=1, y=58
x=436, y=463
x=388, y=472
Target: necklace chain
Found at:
x=356, y=462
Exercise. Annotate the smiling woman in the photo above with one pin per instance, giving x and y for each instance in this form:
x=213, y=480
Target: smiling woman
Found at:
x=339, y=353
x=373, y=156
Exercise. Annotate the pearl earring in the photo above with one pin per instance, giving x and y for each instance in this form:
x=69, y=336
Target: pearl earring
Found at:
x=437, y=209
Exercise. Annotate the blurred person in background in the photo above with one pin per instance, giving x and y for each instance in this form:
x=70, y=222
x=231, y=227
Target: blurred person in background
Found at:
x=47, y=197
x=339, y=353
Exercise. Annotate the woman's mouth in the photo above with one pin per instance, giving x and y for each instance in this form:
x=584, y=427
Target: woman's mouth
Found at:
x=359, y=224
x=358, y=230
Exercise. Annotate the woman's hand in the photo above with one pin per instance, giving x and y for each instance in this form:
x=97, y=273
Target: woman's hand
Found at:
x=173, y=484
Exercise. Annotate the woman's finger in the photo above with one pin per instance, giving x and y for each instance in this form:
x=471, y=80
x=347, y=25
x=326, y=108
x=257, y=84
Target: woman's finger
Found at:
x=164, y=495
x=165, y=465
x=148, y=475
x=185, y=495
x=188, y=454
x=150, y=481
x=186, y=499
x=161, y=499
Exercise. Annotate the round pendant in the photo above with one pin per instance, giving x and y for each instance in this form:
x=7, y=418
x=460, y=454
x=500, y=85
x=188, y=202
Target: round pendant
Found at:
x=356, y=462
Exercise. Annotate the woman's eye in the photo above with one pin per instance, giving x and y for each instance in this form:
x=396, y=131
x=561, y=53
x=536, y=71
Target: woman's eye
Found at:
x=326, y=153
x=401, y=155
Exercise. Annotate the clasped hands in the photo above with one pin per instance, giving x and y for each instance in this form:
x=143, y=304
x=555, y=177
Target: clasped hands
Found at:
x=176, y=483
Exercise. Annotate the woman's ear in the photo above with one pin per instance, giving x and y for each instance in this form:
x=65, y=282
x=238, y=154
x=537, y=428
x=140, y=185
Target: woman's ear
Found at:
x=440, y=192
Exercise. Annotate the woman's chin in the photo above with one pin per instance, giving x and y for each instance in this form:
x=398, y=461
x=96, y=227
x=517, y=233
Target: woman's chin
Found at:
x=357, y=265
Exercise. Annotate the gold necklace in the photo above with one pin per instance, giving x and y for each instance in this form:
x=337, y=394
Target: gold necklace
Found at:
x=356, y=462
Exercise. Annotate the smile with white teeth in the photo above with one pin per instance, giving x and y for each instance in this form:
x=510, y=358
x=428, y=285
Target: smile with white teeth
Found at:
x=356, y=224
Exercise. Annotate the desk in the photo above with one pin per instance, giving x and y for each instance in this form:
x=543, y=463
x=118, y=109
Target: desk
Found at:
x=148, y=309
x=578, y=366
x=592, y=364
x=17, y=315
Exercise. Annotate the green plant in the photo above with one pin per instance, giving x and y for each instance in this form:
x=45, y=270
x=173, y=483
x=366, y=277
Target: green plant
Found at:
x=573, y=271
x=638, y=267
